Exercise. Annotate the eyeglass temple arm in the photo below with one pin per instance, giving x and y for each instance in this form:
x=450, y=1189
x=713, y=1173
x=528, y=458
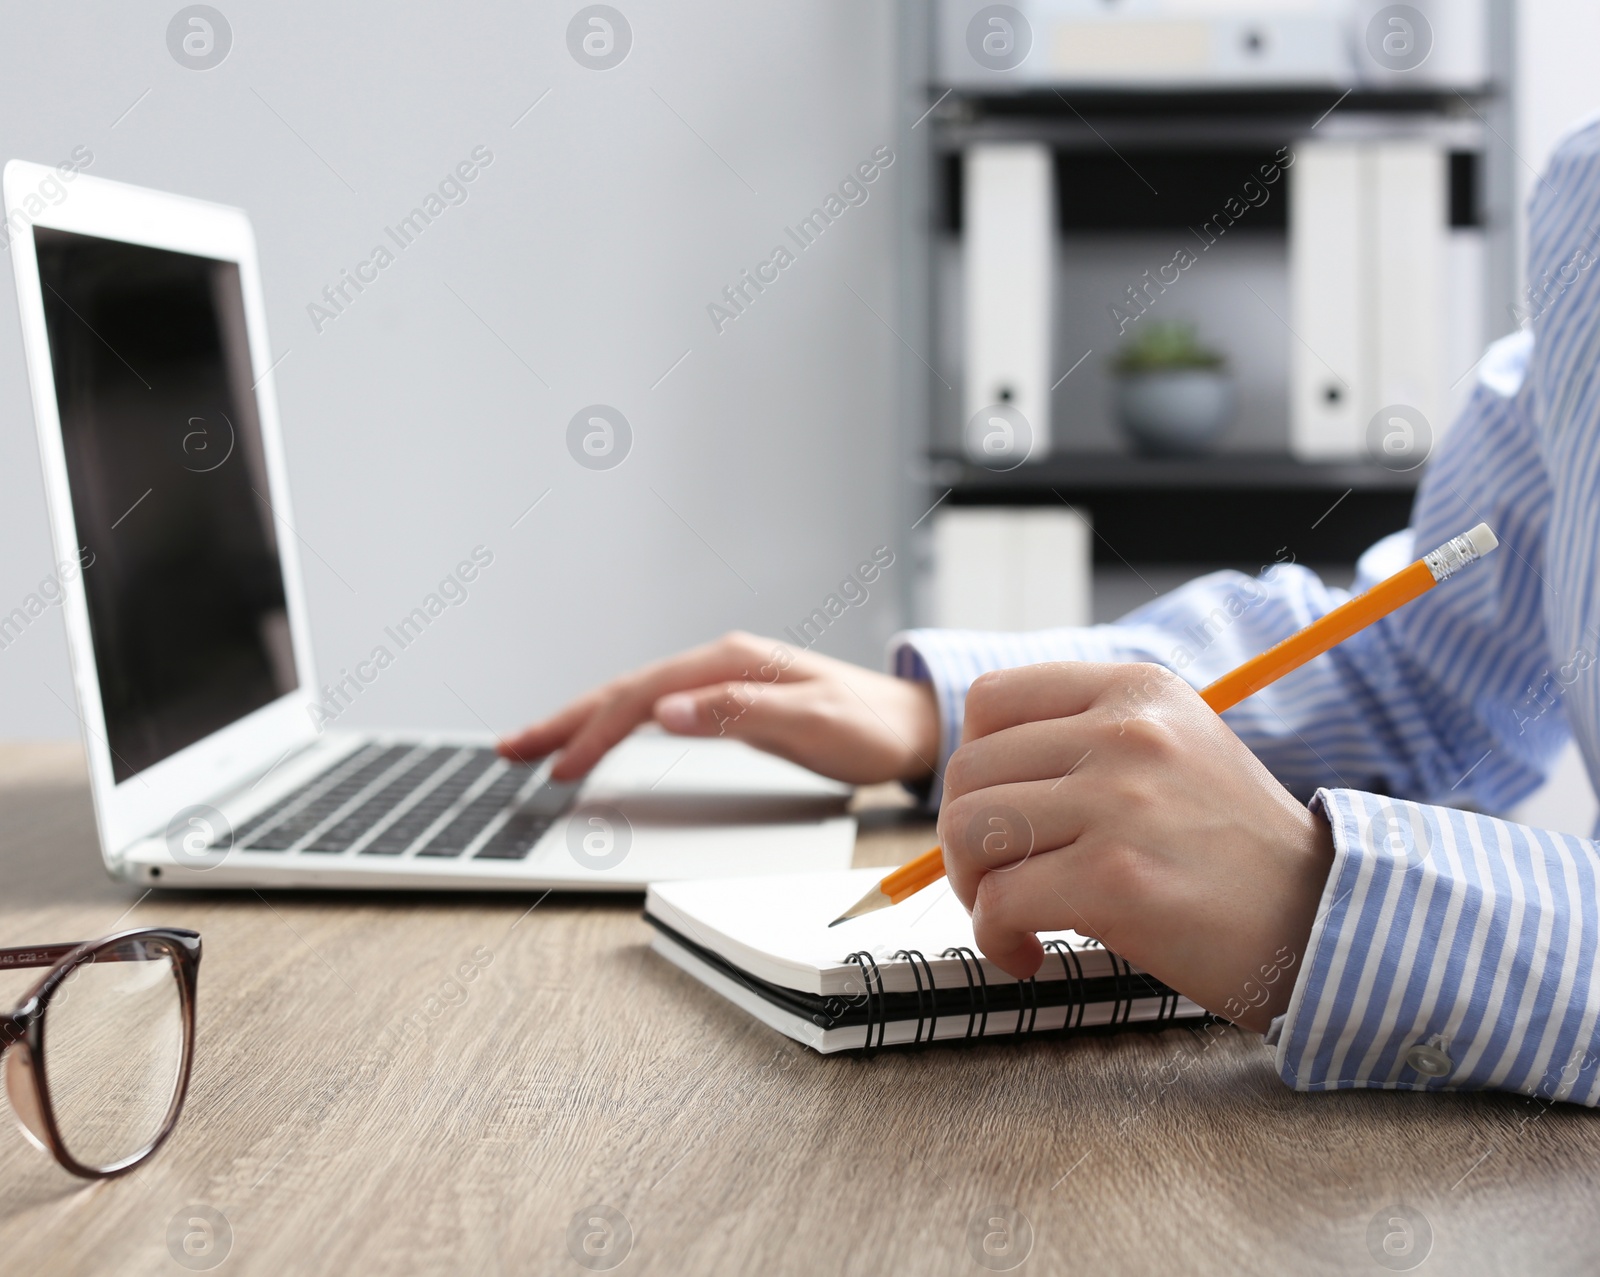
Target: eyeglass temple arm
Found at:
x=37, y=955
x=47, y=955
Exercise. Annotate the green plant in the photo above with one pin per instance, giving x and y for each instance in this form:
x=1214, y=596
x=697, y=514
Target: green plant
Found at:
x=1165, y=347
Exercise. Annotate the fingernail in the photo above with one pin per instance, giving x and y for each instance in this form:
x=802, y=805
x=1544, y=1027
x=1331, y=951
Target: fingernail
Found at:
x=676, y=712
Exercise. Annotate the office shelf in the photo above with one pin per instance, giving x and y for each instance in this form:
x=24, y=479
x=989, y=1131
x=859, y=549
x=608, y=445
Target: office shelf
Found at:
x=1302, y=107
x=1233, y=471
x=1249, y=508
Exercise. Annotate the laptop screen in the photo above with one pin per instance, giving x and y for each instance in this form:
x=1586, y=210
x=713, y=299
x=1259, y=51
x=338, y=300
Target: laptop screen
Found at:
x=169, y=490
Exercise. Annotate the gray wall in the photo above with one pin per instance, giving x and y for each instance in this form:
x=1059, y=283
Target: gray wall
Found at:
x=762, y=467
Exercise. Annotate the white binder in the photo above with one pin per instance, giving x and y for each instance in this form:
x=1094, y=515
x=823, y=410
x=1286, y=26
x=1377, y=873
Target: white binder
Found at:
x=1008, y=216
x=1328, y=235
x=1412, y=215
x=1368, y=246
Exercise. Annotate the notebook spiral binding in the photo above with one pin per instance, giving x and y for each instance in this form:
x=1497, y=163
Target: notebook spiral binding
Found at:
x=976, y=993
x=870, y=975
x=1072, y=973
x=919, y=966
x=978, y=1008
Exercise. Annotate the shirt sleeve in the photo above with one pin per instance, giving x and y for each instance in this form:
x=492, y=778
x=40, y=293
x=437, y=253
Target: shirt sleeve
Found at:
x=1451, y=951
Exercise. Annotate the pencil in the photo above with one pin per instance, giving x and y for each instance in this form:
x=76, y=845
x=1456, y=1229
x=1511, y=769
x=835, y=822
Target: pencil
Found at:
x=1291, y=653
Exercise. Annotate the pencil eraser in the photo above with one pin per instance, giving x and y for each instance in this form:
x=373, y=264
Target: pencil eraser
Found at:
x=1483, y=540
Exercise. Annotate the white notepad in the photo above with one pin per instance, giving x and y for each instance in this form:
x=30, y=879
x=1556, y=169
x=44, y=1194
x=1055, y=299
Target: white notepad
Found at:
x=906, y=974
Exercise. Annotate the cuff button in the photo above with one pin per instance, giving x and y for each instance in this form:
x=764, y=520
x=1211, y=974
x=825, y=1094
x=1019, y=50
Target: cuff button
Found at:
x=1429, y=1061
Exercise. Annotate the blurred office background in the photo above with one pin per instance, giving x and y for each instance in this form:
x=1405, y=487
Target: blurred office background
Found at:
x=992, y=359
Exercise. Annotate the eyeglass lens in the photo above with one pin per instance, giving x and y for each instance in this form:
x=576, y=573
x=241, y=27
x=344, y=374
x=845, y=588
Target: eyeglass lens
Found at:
x=113, y=1048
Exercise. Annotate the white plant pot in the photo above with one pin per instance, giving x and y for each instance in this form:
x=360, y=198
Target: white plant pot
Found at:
x=1181, y=411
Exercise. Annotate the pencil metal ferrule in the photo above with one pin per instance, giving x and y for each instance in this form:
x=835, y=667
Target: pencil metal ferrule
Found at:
x=1459, y=551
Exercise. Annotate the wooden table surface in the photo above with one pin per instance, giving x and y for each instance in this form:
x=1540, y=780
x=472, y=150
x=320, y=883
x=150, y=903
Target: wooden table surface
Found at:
x=579, y=1087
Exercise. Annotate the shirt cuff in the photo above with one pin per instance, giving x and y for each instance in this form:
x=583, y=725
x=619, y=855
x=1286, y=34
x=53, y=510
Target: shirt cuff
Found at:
x=1450, y=951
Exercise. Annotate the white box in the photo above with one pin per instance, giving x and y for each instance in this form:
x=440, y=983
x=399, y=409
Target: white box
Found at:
x=1012, y=568
x=1195, y=43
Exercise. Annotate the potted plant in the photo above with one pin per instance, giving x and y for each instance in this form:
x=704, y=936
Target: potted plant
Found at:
x=1173, y=395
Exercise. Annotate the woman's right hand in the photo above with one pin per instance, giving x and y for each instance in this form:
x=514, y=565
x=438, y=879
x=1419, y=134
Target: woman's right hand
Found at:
x=844, y=721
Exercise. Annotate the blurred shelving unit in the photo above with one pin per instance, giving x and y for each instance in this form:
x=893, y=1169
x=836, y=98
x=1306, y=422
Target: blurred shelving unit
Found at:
x=1237, y=507
x=1154, y=114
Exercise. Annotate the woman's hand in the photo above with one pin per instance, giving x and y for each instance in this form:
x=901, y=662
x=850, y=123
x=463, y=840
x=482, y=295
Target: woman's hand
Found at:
x=836, y=718
x=1110, y=800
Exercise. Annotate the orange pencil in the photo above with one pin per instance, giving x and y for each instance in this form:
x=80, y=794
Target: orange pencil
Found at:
x=1259, y=671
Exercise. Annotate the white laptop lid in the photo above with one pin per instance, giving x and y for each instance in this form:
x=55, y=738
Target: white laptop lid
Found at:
x=148, y=359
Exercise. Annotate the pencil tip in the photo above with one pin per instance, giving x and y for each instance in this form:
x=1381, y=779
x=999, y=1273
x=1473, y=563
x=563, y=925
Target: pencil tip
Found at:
x=843, y=917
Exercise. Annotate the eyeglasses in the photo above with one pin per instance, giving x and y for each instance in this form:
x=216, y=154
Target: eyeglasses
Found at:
x=97, y=1055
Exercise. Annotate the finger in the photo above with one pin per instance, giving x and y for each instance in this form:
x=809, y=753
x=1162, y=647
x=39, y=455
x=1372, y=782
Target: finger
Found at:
x=633, y=698
x=533, y=743
x=996, y=829
x=1048, y=750
x=709, y=711
x=783, y=719
x=1012, y=908
x=1059, y=689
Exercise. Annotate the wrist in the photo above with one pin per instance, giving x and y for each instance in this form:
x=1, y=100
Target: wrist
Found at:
x=922, y=735
x=1307, y=864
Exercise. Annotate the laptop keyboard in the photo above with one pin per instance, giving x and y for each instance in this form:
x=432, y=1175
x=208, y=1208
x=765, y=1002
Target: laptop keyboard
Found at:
x=395, y=800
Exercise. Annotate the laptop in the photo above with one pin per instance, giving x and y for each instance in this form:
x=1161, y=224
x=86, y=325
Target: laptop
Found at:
x=215, y=755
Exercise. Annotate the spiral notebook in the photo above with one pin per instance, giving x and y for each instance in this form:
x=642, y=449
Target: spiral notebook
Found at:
x=905, y=975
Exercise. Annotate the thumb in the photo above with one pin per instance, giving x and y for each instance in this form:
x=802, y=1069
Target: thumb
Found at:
x=1019, y=953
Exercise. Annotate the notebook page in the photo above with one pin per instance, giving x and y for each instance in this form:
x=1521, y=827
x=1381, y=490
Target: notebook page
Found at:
x=776, y=928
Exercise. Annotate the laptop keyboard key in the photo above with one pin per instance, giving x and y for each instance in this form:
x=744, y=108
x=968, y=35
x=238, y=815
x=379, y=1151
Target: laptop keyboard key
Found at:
x=283, y=834
x=338, y=809
x=516, y=838
x=351, y=828
x=423, y=815
x=474, y=818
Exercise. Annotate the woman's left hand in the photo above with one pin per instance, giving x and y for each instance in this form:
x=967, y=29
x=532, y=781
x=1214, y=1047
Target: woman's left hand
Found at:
x=1112, y=801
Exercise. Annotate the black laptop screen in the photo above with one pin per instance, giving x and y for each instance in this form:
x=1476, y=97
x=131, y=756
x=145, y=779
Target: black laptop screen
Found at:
x=169, y=490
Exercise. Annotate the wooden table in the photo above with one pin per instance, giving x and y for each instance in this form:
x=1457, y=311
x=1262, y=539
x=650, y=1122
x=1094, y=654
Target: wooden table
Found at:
x=579, y=1077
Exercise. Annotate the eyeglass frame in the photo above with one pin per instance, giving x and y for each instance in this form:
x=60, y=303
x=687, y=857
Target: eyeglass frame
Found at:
x=22, y=1039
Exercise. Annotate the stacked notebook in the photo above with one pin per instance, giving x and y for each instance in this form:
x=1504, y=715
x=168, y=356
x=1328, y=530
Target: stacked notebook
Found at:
x=904, y=975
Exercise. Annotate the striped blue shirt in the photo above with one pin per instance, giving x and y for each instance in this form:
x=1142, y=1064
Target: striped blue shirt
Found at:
x=1452, y=949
